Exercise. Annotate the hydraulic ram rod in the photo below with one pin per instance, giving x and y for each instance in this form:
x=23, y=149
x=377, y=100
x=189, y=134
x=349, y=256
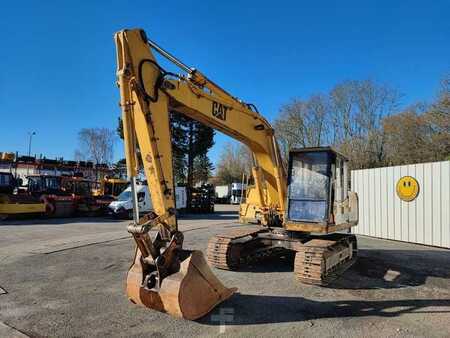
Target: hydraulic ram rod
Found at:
x=169, y=56
x=191, y=71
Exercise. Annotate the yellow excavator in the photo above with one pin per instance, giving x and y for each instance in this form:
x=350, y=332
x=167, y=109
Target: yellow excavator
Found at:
x=298, y=210
x=110, y=187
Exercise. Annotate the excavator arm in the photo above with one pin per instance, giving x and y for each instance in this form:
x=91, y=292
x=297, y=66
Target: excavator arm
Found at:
x=149, y=93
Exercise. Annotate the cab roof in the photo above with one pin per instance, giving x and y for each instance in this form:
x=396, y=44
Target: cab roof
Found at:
x=318, y=149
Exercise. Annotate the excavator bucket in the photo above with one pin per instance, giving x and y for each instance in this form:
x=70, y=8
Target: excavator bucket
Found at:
x=190, y=293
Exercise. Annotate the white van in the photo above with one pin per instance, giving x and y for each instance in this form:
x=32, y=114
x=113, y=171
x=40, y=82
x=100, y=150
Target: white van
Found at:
x=237, y=193
x=123, y=207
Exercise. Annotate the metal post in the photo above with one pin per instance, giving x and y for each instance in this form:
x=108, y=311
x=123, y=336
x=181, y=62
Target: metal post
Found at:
x=29, y=143
x=134, y=199
x=346, y=179
x=242, y=187
x=15, y=164
x=29, y=149
x=247, y=178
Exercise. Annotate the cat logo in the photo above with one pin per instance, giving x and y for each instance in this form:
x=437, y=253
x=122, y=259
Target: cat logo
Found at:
x=219, y=110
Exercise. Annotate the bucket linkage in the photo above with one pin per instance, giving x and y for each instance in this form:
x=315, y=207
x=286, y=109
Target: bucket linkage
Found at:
x=167, y=278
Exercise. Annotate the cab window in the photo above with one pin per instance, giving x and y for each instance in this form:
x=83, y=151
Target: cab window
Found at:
x=141, y=196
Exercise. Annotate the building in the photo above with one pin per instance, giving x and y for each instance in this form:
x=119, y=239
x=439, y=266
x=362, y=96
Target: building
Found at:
x=408, y=203
x=23, y=166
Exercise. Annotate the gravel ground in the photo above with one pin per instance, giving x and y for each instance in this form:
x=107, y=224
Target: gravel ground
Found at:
x=65, y=278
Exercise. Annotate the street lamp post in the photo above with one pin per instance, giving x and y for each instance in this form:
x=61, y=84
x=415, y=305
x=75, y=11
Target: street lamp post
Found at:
x=29, y=143
x=29, y=149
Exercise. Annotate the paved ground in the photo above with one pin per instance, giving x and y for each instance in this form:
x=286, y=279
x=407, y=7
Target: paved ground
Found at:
x=66, y=277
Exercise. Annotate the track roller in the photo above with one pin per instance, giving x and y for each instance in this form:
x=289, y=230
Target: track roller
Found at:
x=320, y=261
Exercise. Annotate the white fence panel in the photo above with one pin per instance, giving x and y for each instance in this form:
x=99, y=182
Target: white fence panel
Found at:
x=382, y=214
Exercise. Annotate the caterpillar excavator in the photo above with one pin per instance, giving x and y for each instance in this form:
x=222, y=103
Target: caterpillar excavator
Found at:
x=298, y=210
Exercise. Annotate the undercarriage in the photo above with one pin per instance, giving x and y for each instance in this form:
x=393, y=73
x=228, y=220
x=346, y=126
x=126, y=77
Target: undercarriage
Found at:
x=319, y=259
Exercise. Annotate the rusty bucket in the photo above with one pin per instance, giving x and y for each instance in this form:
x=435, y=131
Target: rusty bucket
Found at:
x=190, y=293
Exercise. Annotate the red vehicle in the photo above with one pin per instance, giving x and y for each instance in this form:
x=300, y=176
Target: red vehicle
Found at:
x=64, y=196
x=49, y=190
x=82, y=191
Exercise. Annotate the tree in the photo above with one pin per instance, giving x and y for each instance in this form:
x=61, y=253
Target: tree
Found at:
x=179, y=129
x=438, y=117
x=442, y=105
x=234, y=161
x=420, y=133
x=405, y=138
x=357, y=112
x=96, y=144
x=119, y=128
x=415, y=136
x=191, y=141
x=303, y=123
x=79, y=156
x=349, y=117
x=202, y=169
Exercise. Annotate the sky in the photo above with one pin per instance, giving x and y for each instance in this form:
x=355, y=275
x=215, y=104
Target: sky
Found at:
x=58, y=57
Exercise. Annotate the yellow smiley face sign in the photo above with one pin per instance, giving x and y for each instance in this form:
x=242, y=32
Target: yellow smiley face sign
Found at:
x=407, y=188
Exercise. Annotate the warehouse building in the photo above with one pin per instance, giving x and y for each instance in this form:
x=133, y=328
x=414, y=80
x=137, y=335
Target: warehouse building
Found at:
x=409, y=203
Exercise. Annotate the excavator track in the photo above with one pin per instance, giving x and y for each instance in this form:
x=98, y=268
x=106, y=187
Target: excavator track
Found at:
x=320, y=261
x=224, y=250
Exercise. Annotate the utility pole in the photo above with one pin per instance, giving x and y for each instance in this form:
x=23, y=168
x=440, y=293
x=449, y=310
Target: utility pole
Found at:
x=30, y=134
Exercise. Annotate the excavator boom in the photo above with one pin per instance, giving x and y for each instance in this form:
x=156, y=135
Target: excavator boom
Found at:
x=157, y=92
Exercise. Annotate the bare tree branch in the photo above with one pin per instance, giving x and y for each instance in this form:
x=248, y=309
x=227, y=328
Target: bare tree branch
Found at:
x=96, y=144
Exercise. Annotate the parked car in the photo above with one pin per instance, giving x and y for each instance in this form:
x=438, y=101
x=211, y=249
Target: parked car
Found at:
x=230, y=193
x=123, y=207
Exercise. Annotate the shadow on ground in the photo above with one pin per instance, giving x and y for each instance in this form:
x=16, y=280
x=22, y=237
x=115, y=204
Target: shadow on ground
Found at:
x=42, y=220
x=375, y=269
x=386, y=269
x=258, y=309
x=218, y=215
x=284, y=263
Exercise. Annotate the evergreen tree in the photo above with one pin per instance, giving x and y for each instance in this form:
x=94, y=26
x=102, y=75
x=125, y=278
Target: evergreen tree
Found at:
x=191, y=141
x=202, y=169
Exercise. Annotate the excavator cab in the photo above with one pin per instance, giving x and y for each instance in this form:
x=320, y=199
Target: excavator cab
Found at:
x=318, y=190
